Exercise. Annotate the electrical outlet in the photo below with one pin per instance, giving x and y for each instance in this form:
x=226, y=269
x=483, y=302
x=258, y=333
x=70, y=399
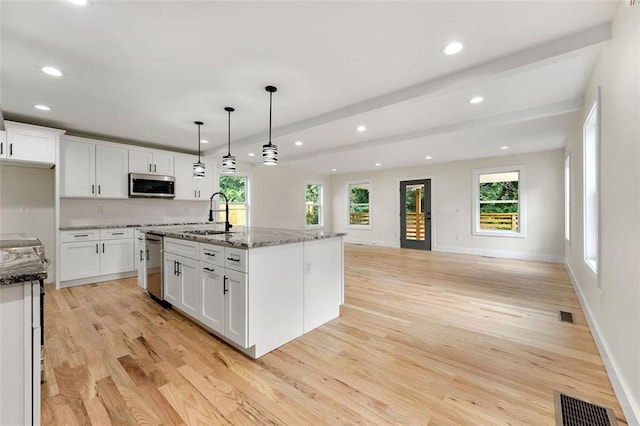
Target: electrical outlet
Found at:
x=24, y=209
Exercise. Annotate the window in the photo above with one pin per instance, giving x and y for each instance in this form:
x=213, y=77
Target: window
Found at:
x=359, y=204
x=567, y=198
x=498, y=202
x=590, y=141
x=313, y=210
x=236, y=188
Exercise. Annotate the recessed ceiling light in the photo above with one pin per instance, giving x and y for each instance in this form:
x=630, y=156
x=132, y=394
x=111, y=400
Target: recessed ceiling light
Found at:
x=453, y=48
x=298, y=143
x=52, y=71
x=428, y=157
x=361, y=128
x=251, y=154
x=504, y=147
x=78, y=2
x=204, y=141
x=334, y=170
x=476, y=100
x=378, y=164
x=42, y=107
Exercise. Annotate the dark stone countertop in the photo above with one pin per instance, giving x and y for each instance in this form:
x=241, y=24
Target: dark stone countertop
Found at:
x=243, y=237
x=19, y=265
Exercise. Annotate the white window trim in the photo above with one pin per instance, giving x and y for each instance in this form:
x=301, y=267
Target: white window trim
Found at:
x=348, y=198
x=247, y=194
x=320, y=205
x=475, y=202
x=591, y=261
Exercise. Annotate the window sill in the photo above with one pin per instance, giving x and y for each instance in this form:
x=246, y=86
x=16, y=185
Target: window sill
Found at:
x=359, y=227
x=509, y=234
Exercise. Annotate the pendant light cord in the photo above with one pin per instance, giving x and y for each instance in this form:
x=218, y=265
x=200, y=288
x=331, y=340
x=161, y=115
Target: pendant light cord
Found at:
x=198, y=143
x=229, y=133
x=270, y=108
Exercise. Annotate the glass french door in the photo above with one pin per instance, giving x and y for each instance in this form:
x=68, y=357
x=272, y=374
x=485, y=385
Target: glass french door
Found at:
x=415, y=214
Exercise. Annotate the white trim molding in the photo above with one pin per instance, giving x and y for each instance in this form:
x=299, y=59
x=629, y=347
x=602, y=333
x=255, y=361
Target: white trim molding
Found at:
x=500, y=253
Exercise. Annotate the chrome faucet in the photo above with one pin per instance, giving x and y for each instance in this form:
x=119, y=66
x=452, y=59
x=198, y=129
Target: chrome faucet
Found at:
x=227, y=225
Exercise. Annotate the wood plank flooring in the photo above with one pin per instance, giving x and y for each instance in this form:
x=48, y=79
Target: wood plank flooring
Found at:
x=423, y=338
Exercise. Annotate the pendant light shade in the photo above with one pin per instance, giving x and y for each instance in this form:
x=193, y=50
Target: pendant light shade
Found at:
x=270, y=151
x=229, y=161
x=198, y=167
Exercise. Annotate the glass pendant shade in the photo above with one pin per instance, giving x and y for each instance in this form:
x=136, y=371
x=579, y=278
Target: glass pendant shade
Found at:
x=270, y=154
x=270, y=151
x=228, y=164
x=229, y=161
x=198, y=166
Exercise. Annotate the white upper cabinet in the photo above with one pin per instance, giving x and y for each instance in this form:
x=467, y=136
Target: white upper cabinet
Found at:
x=28, y=143
x=188, y=187
x=92, y=169
x=151, y=162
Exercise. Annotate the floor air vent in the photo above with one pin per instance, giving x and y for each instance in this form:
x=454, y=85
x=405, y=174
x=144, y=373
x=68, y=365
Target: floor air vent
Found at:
x=575, y=412
x=567, y=317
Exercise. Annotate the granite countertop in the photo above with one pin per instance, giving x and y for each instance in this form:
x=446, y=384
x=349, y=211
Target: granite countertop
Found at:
x=243, y=237
x=19, y=265
x=138, y=225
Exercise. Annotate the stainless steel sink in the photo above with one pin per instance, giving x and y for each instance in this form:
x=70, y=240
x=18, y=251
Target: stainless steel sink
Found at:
x=206, y=232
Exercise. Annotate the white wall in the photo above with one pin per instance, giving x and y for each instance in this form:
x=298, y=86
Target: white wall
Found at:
x=33, y=190
x=613, y=306
x=277, y=196
x=451, y=185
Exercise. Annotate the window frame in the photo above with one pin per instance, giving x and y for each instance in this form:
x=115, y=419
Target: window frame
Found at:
x=591, y=203
x=247, y=192
x=348, y=199
x=522, y=202
x=320, y=205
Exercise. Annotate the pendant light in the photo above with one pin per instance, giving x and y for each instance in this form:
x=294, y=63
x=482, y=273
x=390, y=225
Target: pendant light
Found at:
x=198, y=167
x=270, y=151
x=229, y=161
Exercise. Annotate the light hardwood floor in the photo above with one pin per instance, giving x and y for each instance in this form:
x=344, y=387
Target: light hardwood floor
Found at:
x=423, y=338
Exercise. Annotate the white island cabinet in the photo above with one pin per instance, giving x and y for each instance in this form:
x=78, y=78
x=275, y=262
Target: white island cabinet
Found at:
x=256, y=298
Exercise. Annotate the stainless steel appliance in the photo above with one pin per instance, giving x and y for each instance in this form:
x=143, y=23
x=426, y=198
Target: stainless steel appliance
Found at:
x=155, y=279
x=151, y=186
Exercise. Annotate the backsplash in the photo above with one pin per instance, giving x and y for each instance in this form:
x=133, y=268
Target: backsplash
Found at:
x=84, y=212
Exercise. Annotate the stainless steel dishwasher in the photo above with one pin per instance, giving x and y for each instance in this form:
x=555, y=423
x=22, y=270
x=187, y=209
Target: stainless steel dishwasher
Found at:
x=155, y=279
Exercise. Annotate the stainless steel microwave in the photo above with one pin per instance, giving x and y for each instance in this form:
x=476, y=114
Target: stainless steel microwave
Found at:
x=151, y=186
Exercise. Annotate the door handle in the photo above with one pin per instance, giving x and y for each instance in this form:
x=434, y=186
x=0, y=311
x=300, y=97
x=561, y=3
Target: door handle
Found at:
x=93, y=188
x=97, y=248
x=224, y=285
x=10, y=149
x=103, y=247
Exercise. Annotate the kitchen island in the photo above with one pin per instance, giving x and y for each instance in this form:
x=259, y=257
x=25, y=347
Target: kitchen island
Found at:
x=21, y=272
x=255, y=288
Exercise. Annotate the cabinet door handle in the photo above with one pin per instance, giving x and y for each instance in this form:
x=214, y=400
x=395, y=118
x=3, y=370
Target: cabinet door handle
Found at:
x=103, y=247
x=147, y=254
x=179, y=271
x=175, y=268
x=93, y=188
x=98, y=189
x=97, y=248
x=149, y=167
x=80, y=235
x=195, y=194
x=1, y=147
x=10, y=149
x=224, y=285
x=155, y=168
x=140, y=255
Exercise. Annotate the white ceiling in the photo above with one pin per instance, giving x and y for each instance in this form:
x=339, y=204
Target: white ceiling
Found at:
x=143, y=71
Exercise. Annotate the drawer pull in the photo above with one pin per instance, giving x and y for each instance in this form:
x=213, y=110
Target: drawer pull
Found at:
x=233, y=260
x=206, y=253
x=209, y=269
x=224, y=285
x=117, y=233
x=80, y=235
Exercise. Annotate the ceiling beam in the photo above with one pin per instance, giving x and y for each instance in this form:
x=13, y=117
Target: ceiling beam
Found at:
x=556, y=108
x=531, y=58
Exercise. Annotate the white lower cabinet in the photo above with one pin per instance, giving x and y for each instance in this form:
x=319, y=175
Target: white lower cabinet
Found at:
x=236, y=298
x=89, y=255
x=213, y=284
x=181, y=283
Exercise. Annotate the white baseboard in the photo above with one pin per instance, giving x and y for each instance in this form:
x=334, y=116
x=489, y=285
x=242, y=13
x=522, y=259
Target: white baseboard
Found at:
x=98, y=279
x=371, y=242
x=501, y=253
x=629, y=407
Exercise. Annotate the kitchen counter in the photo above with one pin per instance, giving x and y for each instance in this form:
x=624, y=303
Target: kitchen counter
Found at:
x=243, y=237
x=19, y=265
